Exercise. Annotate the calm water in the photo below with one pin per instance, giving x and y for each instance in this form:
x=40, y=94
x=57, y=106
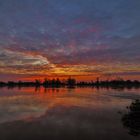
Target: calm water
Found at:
x=61, y=113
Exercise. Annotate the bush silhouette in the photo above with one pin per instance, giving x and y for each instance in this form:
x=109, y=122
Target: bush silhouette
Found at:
x=131, y=120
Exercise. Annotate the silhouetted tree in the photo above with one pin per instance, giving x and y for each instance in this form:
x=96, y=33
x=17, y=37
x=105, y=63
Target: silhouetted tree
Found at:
x=58, y=82
x=71, y=82
x=37, y=82
x=46, y=82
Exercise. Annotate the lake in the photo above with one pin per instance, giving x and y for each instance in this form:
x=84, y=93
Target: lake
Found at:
x=67, y=113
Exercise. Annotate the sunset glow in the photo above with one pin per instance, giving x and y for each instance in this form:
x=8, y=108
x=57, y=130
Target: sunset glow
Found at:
x=85, y=39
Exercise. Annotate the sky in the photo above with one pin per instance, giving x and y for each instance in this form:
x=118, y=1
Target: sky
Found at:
x=60, y=38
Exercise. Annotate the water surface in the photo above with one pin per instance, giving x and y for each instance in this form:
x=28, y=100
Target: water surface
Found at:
x=63, y=113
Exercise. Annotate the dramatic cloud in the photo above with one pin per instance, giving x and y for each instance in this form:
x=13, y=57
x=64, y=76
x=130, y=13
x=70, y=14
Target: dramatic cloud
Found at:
x=76, y=37
x=10, y=58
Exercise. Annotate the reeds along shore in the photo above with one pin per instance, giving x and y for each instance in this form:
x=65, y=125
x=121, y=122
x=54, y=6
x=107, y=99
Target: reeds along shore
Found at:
x=71, y=82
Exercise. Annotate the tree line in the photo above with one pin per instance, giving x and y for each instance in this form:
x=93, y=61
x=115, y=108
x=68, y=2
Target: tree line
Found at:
x=71, y=82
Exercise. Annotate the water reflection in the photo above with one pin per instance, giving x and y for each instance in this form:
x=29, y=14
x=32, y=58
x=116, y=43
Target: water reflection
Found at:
x=131, y=120
x=118, y=88
x=66, y=123
x=63, y=113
